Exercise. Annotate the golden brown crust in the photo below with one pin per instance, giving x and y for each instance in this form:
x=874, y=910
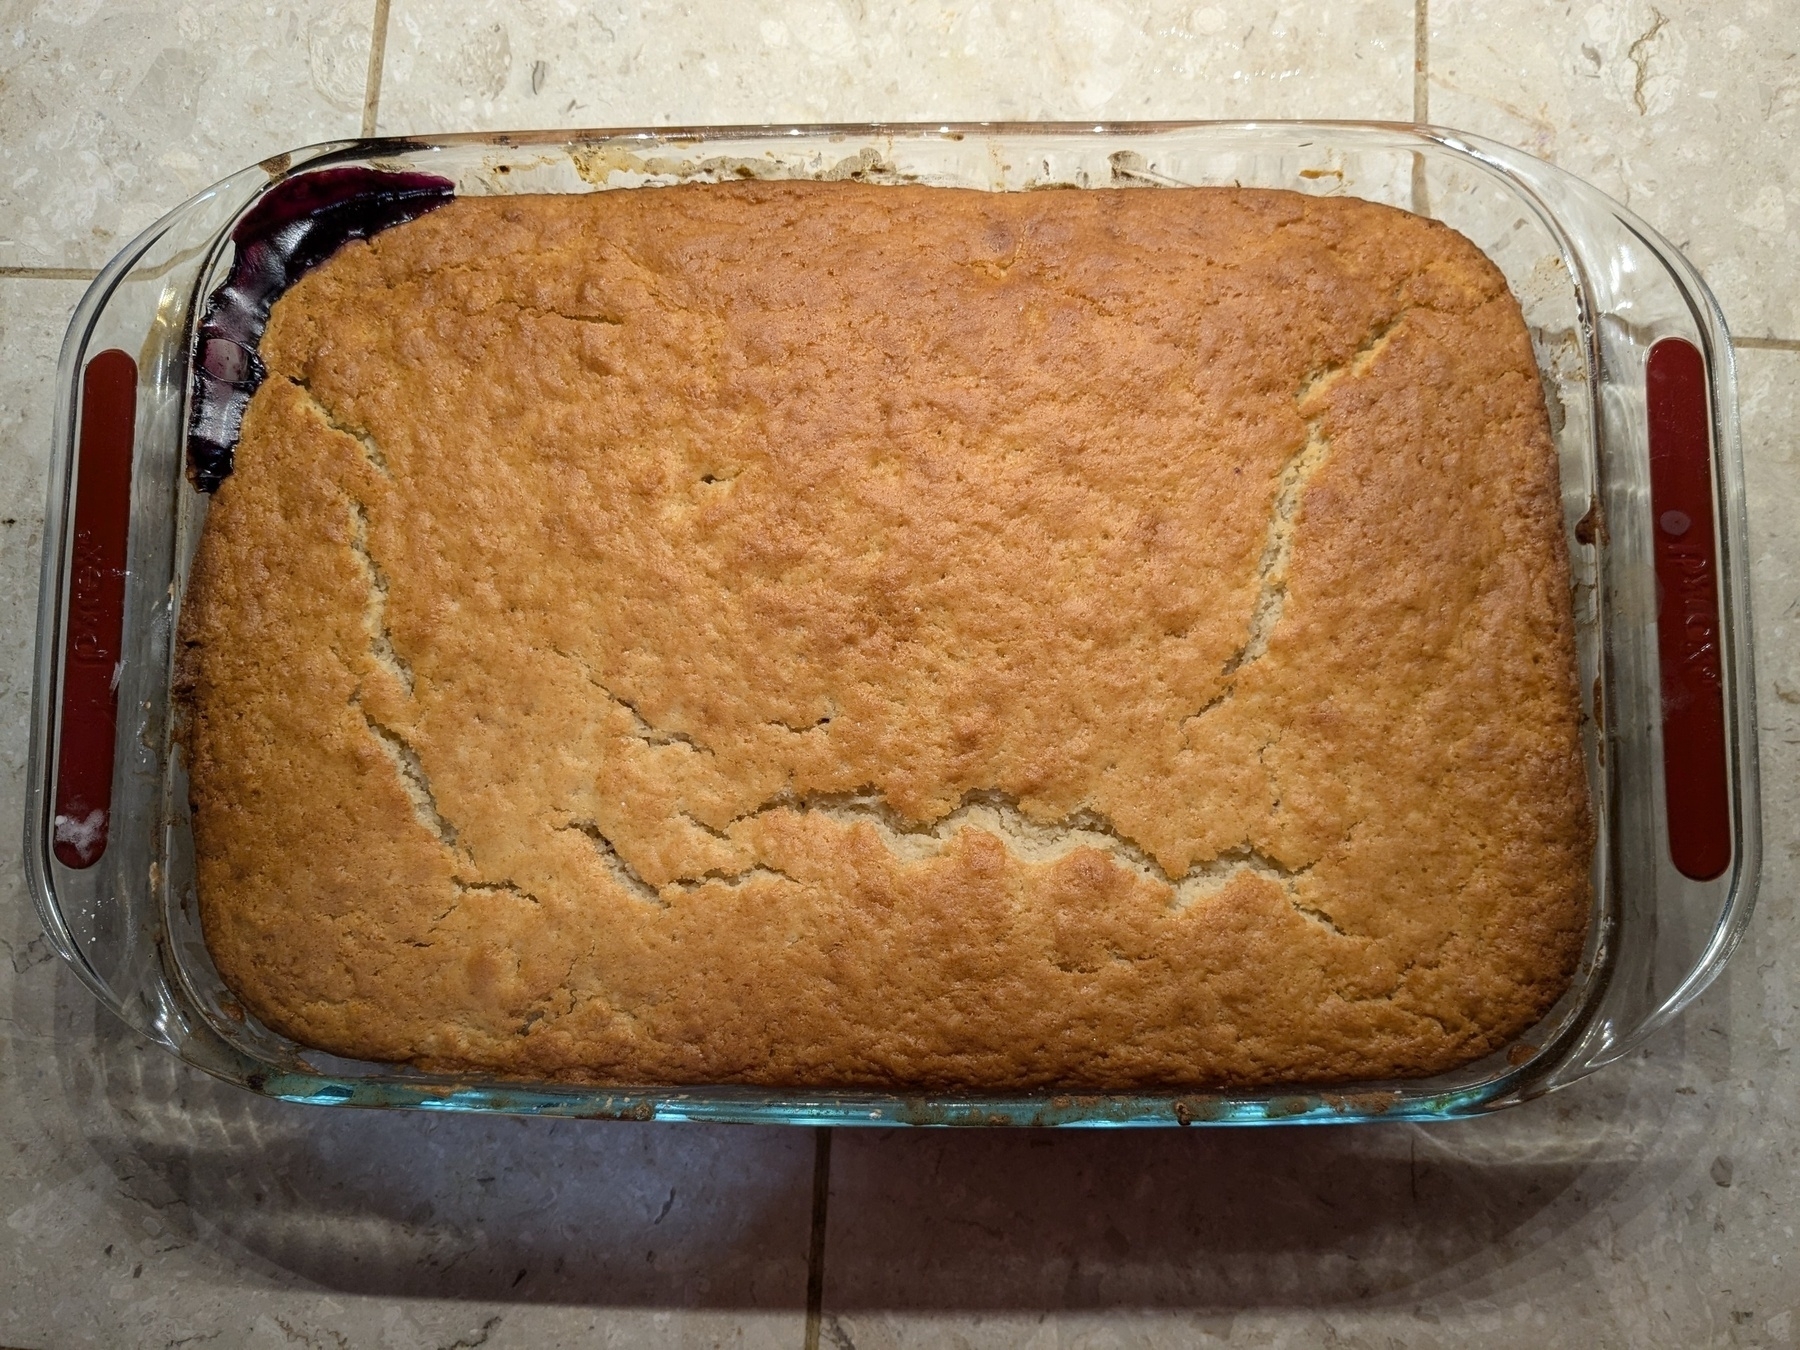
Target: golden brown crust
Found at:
x=839, y=635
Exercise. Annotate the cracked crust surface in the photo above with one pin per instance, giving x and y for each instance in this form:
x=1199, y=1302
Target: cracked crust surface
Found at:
x=839, y=635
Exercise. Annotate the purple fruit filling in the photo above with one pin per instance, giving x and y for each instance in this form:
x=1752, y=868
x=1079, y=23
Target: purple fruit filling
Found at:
x=295, y=226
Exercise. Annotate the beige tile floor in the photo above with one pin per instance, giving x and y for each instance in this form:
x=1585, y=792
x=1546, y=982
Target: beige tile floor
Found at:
x=1654, y=1205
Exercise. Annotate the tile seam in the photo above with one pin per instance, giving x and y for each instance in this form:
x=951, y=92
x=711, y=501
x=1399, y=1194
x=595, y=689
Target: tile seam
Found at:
x=1421, y=98
x=48, y=273
x=1766, y=344
x=815, y=1250
x=377, y=59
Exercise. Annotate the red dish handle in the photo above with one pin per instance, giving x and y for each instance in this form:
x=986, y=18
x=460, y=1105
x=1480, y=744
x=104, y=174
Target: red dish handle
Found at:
x=1687, y=610
x=93, y=655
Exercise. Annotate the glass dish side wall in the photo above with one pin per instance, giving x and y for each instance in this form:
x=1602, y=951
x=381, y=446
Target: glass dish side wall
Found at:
x=1596, y=289
x=101, y=919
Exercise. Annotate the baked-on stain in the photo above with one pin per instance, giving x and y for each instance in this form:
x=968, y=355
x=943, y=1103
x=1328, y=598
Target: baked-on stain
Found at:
x=834, y=635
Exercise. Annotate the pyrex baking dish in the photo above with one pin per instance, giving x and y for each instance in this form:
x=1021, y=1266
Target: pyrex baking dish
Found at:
x=1637, y=371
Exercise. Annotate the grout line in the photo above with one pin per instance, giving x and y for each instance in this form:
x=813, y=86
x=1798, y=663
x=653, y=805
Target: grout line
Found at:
x=377, y=58
x=1767, y=344
x=815, y=1252
x=1421, y=60
x=49, y=273
x=1421, y=100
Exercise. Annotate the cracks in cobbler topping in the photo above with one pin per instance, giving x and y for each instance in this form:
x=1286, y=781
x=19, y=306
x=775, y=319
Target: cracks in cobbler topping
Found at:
x=409, y=767
x=1277, y=556
x=1358, y=362
x=1039, y=842
x=651, y=735
x=992, y=811
x=628, y=877
x=381, y=639
x=623, y=872
x=641, y=728
x=1278, y=551
x=996, y=814
x=1284, y=515
x=467, y=888
x=410, y=770
x=511, y=888
x=371, y=451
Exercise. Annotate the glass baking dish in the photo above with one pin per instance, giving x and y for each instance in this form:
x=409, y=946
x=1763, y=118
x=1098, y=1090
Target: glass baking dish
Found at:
x=1637, y=372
